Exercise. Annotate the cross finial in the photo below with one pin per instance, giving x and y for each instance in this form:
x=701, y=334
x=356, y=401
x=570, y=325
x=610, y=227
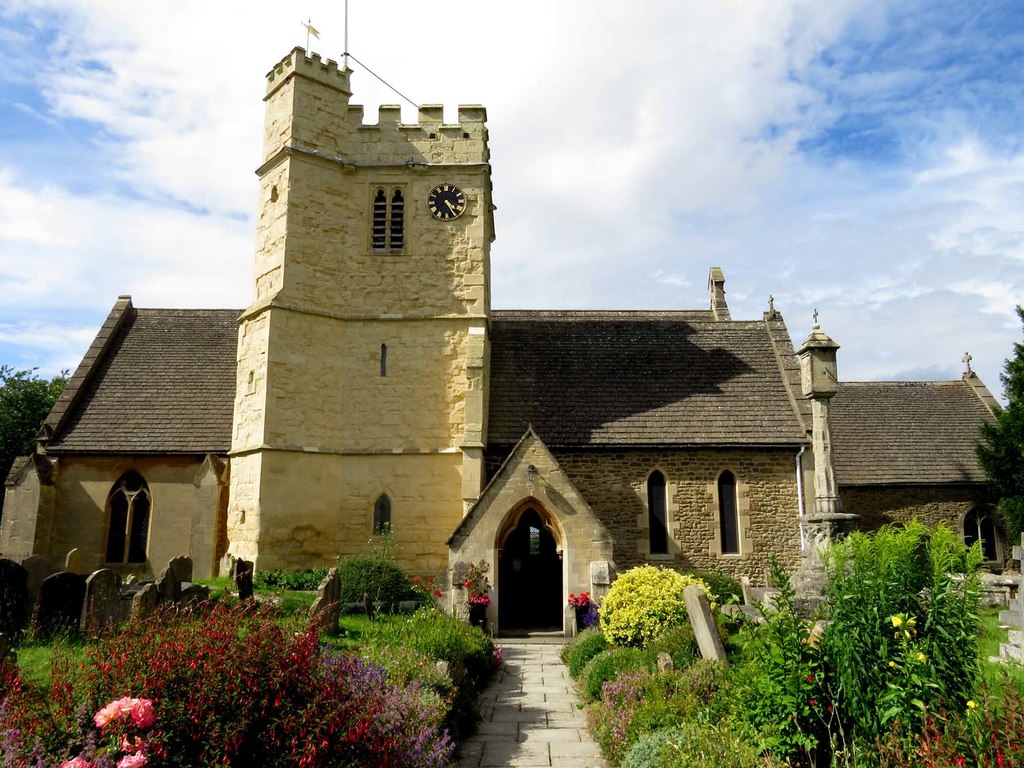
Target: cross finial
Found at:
x=771, y=303
x=815, y=315
x=967, y=363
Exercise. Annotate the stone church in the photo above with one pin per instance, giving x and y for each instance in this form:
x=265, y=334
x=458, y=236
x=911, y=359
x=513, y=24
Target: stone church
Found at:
x=370, y=386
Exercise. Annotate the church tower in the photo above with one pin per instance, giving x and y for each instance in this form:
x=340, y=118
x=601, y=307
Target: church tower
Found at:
x=361, y=379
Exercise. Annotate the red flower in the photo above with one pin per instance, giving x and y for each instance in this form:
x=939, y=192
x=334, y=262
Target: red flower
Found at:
x=811, y=702
x=437, y=593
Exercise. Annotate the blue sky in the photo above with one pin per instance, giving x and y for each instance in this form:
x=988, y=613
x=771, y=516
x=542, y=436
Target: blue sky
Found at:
x=862, y=158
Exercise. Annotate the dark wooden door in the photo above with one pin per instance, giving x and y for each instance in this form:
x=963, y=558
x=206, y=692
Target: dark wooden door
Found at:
x=530, y=577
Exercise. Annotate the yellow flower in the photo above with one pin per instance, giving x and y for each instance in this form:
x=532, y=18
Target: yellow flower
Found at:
x=911, y=622
x=892, y=663
x=921, y=657
x=897, y=620
x=972, y=704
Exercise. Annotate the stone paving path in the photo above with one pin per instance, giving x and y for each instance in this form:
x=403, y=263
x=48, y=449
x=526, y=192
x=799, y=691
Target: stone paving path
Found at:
x=530, y=717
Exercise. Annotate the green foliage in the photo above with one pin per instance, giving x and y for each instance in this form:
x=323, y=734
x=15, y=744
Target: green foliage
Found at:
x=384, y=581
x=694, y=745
x=724, y=588
x=633, y=704
x=653, y=748
x=25, y=402
x=1000, y=447
x=927, y=576
x=609, y=665
x=581, y=649
x=643, y=603
x=783, y=681
x=308, y=578
x=678, y=642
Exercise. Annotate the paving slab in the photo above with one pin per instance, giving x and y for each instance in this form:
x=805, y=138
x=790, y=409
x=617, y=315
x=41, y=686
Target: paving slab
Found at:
x=531, y=716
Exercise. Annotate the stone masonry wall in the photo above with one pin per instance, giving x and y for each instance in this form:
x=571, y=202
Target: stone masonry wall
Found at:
x=614, y=485
x=931, y=504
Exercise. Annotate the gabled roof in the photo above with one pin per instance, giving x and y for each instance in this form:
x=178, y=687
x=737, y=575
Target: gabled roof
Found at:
x=154, y=381
x=906, y=432
x=632, y=379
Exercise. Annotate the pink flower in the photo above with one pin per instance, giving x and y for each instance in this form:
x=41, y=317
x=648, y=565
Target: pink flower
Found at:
x=78, y=762
x=142, y=713
x=106, y=715
x=132, y=761
x=134, y=744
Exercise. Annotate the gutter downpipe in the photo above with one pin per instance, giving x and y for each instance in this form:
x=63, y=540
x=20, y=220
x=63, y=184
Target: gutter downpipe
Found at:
x=800, y=496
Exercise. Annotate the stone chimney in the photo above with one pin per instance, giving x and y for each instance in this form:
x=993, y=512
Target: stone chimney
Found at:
x=716, y=287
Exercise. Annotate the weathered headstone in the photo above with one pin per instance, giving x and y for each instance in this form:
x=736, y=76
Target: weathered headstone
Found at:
x=703, y=622
x=13, y=596
x=194, y=593
x=38, y=568
x=326, y=608
x=73, y=562
x=102, y=606
x=182, y=567
x=665, y=663
x=243, y=579
x=169, y=586
x=130, y=579
x=368, y=606
x=59, y=607
x=1013, y=650
x=144, y=601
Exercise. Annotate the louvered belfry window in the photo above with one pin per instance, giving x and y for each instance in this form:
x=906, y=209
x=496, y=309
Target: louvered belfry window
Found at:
x=388, y=225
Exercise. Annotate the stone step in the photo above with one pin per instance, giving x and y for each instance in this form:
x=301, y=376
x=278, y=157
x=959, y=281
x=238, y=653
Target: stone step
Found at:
x=1011, y=652
x=1011, y=617
x=1016, y=637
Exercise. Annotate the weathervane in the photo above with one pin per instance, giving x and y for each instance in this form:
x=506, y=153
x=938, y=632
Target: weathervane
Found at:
x=310, y=30
x=815, y=315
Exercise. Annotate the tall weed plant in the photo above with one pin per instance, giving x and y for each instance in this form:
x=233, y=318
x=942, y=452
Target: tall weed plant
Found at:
x=903, y=631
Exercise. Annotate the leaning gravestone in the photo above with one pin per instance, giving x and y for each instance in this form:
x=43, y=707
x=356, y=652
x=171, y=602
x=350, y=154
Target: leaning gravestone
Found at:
x=38, y=568
x=326, y=608
x=59, y=606
x=703, y=622
x=13, y=596
x=102, y=601
x=169, y=586
x=144, y=601
x=182, y=568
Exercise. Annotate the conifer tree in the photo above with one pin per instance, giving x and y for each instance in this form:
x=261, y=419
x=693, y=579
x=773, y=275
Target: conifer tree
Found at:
x=1001, y=446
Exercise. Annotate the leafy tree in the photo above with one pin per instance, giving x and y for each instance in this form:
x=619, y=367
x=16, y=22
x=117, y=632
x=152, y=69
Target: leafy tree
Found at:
x=25, y=402
x=1001, y=446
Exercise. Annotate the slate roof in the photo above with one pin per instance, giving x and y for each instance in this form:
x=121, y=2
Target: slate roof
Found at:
x=162, y=381
x=632, y=379
x=906, y=432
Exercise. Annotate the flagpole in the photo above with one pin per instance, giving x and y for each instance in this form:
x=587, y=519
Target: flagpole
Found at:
x=346, y=34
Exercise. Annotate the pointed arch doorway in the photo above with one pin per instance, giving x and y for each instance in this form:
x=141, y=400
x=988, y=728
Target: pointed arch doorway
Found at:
x=529, y=572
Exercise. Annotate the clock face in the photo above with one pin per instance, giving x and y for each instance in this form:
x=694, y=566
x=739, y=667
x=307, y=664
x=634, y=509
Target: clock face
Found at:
x=446, y=202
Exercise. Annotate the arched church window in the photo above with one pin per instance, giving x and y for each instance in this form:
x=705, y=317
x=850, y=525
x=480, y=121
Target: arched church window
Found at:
x=728, y=520
x=979, y=526
x=387, y=232
x=382, y=515
x=129, y=505
x=657, y=513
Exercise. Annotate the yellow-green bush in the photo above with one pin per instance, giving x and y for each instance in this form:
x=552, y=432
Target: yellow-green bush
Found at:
x=643, y=603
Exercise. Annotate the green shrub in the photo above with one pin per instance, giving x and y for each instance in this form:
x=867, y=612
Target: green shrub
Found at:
x=581, y=649
x=678, y=642
x=308, y=579
x=609, y=665
x=653, y=748
x=643, y=603
x=722, y=744
x=386, y=583
x=883, y=673
x=633, y=704
x=705, y=679
x=724, y=588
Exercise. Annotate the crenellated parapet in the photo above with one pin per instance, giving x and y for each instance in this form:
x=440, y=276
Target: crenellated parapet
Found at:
x=307, y=109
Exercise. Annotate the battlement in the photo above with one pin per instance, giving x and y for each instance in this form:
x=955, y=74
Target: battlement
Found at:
x=312, y=66
x=430, y=118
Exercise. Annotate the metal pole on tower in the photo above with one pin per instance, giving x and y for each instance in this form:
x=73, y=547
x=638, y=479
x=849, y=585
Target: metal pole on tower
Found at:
x=346, y=34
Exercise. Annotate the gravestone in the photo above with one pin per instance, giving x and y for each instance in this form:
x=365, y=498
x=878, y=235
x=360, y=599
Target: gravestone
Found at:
x=243, y=579
x=182, y=567
x=102, y=606
x=326, y=608
x=665, y=663
x=1012, y=651
x=144, y=601
x=168, y=586
x=59, y=607
x=38, y=568
x=703, y=622
x=192, y=594
x=13, y=596
x=73, y=562
x=130, y=579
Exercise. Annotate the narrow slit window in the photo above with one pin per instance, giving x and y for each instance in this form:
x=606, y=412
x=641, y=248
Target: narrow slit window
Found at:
x=728, y=521
x=388, y=225
x=383, y=359
x=129, y=505
x=657, y=514
x=382, y=515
